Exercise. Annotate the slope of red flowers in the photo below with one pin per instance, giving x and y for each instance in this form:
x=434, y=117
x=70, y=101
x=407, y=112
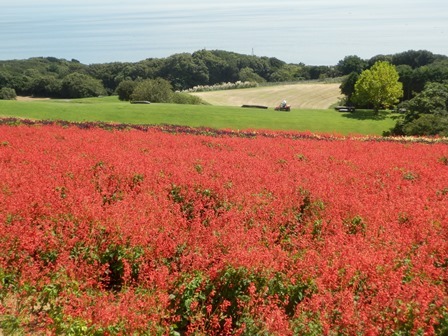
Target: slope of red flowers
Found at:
x=121, y=232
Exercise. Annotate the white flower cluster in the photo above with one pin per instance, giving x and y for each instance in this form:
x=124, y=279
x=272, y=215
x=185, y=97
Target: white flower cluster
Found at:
x=404, y=139
x=222, y=86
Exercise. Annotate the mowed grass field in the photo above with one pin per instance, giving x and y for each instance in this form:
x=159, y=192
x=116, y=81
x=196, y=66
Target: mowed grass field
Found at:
x=221, y=115
x=301, y=96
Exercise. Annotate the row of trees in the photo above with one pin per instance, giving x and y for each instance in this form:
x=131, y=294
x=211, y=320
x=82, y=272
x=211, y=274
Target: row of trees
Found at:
x=52, y=77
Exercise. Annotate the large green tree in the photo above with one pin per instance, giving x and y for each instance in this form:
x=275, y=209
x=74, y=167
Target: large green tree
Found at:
x=156, y=90
x=378, y=86
x=45, y=86
x=79, y=85
x=184, y=71
x=348, y=86
x=351, y=64
x=248, y=75
x=218, y=69
x=287, y=73
x=415, y=58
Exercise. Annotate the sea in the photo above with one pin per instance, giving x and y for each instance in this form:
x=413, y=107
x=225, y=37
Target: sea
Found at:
x=318, y=32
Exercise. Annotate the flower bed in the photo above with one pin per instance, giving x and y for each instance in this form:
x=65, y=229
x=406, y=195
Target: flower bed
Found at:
x=219, y=232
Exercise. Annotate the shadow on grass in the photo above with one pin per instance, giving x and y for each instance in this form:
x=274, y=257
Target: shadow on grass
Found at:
x=367, y=115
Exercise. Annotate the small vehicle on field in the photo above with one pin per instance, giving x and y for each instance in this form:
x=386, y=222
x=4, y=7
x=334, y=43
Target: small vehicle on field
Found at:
x=283, y=106
x=286, y=108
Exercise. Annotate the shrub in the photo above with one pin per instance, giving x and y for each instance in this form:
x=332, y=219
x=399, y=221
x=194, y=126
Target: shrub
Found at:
x=79, y=85
x=156, y=90
x=426, y=113
x=427, y=124
x=185, y=98
x=125, y=89
x=8, y=93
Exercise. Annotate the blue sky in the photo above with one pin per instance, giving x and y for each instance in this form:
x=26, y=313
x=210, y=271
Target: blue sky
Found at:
x=315, y=32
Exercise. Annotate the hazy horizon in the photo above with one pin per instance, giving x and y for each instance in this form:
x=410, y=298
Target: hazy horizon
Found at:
x=314, y=32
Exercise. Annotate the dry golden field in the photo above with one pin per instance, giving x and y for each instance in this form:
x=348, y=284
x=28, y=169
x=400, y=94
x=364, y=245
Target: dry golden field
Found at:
x=302, y=96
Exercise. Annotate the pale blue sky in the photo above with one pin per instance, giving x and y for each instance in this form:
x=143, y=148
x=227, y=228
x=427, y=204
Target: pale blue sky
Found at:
x=315, y=32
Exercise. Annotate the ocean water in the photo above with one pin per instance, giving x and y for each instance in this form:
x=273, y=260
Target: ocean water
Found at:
x=320, y=32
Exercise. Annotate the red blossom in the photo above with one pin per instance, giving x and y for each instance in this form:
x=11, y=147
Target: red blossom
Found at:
x=270, y=232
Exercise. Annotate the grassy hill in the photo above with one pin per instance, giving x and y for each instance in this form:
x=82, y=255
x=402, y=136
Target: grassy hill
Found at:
x=110, y=109
x=300, y=96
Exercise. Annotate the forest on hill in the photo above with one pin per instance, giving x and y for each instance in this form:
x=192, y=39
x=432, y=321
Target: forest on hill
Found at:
x=61, y=78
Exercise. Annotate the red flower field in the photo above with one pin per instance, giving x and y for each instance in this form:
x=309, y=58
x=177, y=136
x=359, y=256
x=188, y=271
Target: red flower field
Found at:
x=110, y=232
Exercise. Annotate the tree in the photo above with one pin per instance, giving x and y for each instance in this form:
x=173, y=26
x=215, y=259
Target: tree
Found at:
x=351, y=64
x=434, y=72
x=287, y=73
x=406, y=74
x=260, y=66
x=107, y=73
x=218, y=69
x=319, y=72
x=125, y=89
x=45, y=86
x=5, y=78
x=414, y=58
x=348, y=86
x=427, y=124
x=7, y=93
x=154, y=90
x=426, y=113
x=21, y=84
x=79, y=85
x=248, y=75
x=377, y=58
x=378, y=86
x=184, y=71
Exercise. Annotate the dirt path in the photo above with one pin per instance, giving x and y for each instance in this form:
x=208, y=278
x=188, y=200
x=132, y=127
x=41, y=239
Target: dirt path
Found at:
x=28, y=98
x=305, y=96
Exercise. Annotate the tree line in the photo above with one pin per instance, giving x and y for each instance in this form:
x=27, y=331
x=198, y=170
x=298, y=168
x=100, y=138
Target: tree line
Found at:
x=423, y=77
x=60, y=78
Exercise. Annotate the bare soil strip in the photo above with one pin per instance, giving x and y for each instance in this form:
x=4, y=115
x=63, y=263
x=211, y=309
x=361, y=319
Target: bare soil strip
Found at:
x=29, y=98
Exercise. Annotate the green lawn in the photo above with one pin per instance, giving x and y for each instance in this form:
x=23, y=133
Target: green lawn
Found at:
x=110, y=109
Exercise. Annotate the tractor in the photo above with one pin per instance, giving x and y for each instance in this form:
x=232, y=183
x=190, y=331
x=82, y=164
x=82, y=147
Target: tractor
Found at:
x=281, y=107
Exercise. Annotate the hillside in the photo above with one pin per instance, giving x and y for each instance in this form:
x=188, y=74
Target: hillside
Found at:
x=302, y=96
